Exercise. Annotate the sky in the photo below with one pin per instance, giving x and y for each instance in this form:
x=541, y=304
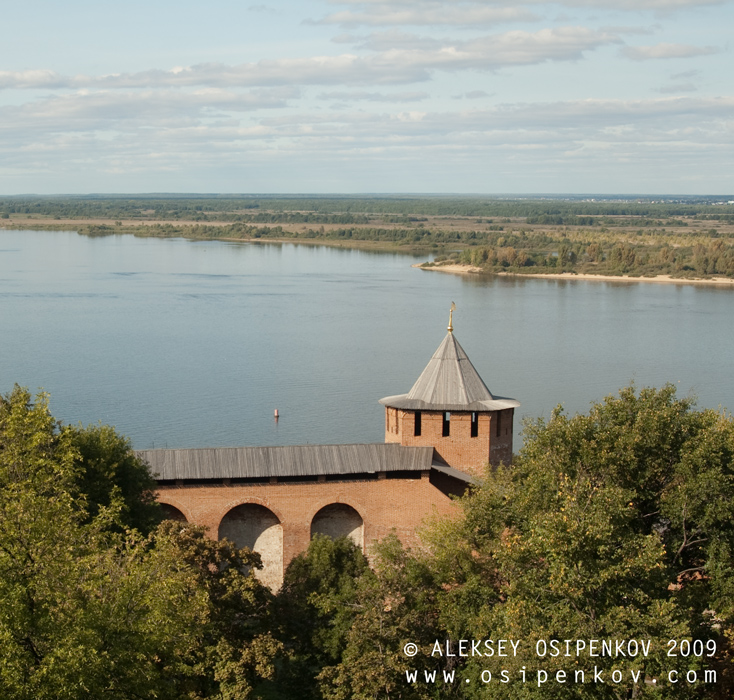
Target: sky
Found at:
x=367, y=96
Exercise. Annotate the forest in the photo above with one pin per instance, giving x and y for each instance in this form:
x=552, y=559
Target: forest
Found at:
x=684, y=237
x=617, y=524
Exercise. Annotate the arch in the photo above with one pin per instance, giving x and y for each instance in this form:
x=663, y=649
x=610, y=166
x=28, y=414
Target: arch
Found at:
x=266, y=503
x=339, y=520
x=257, y=527
x=170, y=512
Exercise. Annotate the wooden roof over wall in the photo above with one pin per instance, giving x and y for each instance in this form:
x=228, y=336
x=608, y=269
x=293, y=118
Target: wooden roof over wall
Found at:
x=289, y=461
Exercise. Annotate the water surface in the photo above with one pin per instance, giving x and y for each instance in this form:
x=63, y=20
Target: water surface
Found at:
x=184, y=343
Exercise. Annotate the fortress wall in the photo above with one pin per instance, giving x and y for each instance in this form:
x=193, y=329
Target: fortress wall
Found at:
x=283, y=526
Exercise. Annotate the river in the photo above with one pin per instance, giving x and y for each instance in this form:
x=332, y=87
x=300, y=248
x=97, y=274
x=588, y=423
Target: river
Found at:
x=184, y=343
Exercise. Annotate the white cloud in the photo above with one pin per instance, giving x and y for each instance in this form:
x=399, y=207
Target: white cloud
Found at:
x=523, y=48
x=433, y=14
x=630, y=29
x=401, y=64
x=478, y=13
x=389, y=41
x=636, y=5
x=663, y=50
x=32, y=79
x=541, y=142
x=351, y=96
x=218, y=115
x=176, y=115
x=472, y=95
x=85, y=111
x=407, y=81
x=554, y=119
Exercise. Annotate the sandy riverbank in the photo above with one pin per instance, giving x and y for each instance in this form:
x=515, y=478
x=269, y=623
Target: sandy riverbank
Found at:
x=660, y=279
x=456, y=269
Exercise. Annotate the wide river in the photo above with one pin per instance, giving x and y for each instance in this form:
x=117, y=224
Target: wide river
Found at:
x=189, y=344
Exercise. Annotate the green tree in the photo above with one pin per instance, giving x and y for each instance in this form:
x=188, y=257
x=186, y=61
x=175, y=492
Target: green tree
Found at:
x=315, y=610
x=84, y=611
x=107, y=468
x=236, y=651
x=618, y=524
x=396, y=604
x=92, y=609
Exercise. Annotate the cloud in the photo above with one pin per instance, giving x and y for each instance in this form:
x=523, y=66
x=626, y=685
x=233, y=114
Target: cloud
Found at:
x=431, y=14
x=401, y=64
x=473, y=95
x=665, y=137
x=685, y=74
x=553, y=119
x=30, y=79
x=646, y=53
x=85, y=111
x=636, y=5
x=374, y=96
x=599, y=112
x=677, y=88
x=629, y=29
x=524, y=48
x=389, y=41
x=478, y=13
x=174, y=115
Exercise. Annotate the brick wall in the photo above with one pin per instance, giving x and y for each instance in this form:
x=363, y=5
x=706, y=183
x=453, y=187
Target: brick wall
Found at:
x=458, y=449
x=385, y=505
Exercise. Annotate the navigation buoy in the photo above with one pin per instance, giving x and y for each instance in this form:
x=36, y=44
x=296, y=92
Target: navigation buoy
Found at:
x=276, y=414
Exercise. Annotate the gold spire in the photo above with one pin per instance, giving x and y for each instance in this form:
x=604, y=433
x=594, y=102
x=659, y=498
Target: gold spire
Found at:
x=451, y=316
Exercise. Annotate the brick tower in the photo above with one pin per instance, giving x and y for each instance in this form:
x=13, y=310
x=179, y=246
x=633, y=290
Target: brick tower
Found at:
x=451, y=409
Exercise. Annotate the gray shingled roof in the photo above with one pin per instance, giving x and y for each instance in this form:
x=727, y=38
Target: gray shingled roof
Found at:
x=299, y=460
x=449, y=383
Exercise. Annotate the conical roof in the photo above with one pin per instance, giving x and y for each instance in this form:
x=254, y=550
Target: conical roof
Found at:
x=449, y=383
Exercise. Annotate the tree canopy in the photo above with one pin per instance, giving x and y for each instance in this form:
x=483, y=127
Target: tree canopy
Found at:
x=91, y=608
x=616, y=525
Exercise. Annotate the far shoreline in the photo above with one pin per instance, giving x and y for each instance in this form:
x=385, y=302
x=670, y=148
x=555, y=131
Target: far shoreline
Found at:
x=377, y=246
x=657, y=279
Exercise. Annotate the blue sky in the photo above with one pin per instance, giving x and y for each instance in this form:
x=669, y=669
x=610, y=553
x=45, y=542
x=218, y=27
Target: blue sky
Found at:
x=358, y=96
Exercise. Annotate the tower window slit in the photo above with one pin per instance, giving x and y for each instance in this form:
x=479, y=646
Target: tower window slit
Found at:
x=499, y=423
x=446, y=424
x=417, y=425
x=474, y=424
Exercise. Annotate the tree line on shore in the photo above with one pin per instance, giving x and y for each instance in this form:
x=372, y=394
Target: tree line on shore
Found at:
x=613, y=525
x=495, y=250
x=603, y=256
x=552, y=210
x=519, y=236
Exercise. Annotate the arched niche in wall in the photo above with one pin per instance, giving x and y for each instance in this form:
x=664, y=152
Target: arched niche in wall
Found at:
x=255, y=526
x=169, y=512
x=339, y=520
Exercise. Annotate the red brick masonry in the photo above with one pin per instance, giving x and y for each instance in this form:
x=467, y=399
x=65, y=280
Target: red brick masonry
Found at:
x=385, y=505
x=459, y=449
